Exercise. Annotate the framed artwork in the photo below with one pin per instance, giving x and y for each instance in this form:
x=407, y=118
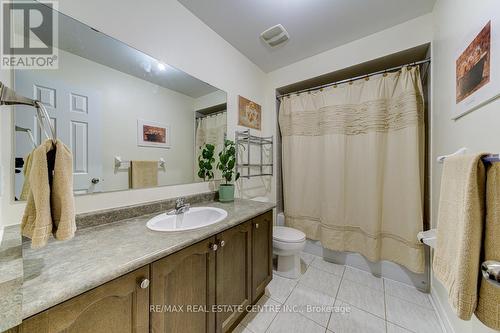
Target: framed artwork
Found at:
x=477, y=70
x=153, y=134
x=249, y=113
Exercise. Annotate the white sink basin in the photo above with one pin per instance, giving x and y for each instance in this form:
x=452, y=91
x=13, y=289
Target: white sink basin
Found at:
x=194, y=218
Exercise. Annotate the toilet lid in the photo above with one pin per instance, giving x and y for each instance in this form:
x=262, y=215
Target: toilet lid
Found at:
x=288, y=235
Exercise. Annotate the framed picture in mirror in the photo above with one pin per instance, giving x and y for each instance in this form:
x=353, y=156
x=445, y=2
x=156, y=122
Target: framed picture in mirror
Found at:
x=153, y=134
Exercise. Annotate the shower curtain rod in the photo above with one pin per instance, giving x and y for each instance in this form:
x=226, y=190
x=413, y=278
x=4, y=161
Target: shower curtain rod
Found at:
x=416, y=63
x=201, y=115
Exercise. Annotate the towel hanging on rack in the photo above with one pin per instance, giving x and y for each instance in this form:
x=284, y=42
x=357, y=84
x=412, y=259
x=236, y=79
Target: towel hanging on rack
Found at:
x=50, y=207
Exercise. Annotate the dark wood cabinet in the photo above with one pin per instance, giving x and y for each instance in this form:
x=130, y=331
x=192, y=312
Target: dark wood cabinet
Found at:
x=205, y=287
x=262, y=253
x=233, y=270
x=183, y=290
x=118, y=306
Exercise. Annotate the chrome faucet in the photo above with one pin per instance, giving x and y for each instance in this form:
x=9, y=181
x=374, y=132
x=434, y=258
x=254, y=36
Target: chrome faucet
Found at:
x=180, y=207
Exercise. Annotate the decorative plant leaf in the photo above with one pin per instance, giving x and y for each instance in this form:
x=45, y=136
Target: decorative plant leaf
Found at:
x=227, y=161
x=205, y=161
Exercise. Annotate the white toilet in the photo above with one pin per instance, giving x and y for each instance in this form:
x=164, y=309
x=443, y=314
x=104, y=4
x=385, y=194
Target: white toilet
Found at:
x=287, y=245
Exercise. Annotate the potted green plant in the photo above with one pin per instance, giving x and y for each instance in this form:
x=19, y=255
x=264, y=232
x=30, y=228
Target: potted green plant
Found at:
x=205, y=161
x=227, y=160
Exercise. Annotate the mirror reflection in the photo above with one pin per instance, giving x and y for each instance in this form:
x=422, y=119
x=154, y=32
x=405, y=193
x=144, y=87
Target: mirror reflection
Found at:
x=130, y=120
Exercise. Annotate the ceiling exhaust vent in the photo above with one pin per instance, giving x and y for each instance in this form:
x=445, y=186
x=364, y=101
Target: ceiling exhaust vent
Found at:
x=275, y=36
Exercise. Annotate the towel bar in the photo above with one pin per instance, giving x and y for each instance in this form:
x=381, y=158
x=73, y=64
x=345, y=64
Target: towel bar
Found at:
x=119, y=163
x=428, y=237
x=491, y=272
x=492, y=158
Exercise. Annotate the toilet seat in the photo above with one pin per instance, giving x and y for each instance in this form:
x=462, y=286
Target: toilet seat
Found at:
x=288, y=235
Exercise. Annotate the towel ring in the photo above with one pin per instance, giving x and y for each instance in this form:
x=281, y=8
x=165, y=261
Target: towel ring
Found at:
x=44, y=121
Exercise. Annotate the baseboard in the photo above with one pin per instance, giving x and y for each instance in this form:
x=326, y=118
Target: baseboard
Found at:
x=443, y=317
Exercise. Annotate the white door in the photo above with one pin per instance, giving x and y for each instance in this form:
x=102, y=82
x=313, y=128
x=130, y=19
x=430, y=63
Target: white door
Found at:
x=75, y=113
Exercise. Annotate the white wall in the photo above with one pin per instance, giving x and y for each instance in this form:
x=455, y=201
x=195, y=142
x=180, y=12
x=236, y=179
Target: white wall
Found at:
x=212, y=99
x=454, y=22
x=170, y=33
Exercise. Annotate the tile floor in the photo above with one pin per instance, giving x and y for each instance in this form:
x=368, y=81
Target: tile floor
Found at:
x=335, y=298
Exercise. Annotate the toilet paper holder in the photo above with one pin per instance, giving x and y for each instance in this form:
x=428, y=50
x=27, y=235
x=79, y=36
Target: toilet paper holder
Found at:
x=491, y=272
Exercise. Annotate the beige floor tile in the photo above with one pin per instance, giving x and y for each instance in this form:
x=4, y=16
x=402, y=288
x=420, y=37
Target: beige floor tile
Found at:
x=311, y=303
x=364, y=278
x=413, y=317
x=407, y=293
x=258, y=322
x=288, y=322
x=327, y=266
x=280, y=288
x=362, y=297
x=321, y=281
x=349, y=319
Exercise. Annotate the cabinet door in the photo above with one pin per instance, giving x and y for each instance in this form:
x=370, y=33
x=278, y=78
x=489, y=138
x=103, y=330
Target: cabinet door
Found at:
x=262, y=253
x=233, y=269
x=118, y=306
x=183, y=290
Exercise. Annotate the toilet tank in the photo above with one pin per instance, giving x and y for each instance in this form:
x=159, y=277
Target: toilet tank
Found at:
x=280, y=219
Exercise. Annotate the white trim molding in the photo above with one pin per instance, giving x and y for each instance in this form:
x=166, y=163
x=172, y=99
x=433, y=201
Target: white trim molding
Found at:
x=438, y=307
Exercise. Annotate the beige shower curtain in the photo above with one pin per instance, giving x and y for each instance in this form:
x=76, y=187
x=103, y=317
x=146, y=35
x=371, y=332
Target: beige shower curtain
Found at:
x=353, y=166
x=212, y=130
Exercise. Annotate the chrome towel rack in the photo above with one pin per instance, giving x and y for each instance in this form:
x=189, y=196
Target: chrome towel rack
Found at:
x=10, y=97
x=246, y=140
x=29, y=132
x=492, y=158
x=125, y=164
x=491, y=272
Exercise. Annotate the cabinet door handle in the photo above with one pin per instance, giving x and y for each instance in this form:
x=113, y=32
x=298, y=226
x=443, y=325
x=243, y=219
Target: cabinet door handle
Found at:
x=213, y=247
x=222, y=243
x=256, y=226
x=144, y=283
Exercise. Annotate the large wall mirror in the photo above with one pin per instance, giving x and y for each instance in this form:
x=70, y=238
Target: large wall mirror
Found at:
x=118, y=110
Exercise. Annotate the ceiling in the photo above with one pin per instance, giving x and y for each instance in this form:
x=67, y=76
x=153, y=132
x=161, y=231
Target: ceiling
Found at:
x=314, y=25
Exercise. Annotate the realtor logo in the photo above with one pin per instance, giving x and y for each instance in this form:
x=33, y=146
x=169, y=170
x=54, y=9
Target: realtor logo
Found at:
x=29, y=35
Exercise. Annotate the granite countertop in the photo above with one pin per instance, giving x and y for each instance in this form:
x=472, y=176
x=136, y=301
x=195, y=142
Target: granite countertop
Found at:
x=96, y=255
x=11, y=278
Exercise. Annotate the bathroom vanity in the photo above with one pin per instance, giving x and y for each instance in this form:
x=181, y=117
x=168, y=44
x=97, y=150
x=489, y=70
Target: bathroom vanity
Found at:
x=123, y=277
x=132, y=122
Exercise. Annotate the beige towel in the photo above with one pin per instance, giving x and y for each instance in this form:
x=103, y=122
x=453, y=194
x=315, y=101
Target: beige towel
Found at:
x=488, y=306
x=456, y=262
x=26, y=172
x=37, y=219
x=62, y=203
x=143, y=174
x=50, y=211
